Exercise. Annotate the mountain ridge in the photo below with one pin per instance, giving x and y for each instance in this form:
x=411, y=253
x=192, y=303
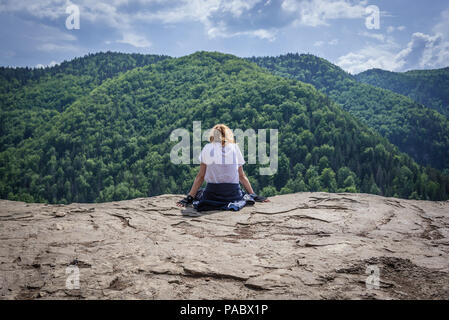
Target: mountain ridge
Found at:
x=111, y=143
x=429, y=87
x=421, y=132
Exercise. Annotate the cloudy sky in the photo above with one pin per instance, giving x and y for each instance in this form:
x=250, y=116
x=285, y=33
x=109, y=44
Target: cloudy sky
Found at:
x=410, y=34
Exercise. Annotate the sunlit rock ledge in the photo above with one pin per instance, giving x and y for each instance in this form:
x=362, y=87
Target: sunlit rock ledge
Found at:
x=298, y=246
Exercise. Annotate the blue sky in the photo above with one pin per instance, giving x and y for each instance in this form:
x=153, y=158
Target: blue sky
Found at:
x=411, y=34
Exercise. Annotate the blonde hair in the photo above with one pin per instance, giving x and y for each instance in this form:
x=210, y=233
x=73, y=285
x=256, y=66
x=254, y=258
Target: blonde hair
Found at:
x=221, y=133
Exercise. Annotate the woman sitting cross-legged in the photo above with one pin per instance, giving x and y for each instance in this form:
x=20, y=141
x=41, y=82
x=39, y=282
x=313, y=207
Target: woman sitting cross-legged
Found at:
x=221, y=167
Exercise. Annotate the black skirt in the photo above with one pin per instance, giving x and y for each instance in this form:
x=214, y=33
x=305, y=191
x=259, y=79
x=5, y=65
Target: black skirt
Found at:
x=221, y=196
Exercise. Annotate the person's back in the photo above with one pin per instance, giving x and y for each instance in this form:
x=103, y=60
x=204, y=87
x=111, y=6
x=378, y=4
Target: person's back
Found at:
x=222, y=162
x=221, y=167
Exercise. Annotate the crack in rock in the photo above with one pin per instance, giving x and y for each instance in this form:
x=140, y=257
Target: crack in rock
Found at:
x=297, y=246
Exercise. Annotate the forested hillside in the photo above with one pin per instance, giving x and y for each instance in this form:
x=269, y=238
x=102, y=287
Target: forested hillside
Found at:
x=429, y=87
x=421, y=132
x=98, y=66
x=30, y=97
x=112, y=142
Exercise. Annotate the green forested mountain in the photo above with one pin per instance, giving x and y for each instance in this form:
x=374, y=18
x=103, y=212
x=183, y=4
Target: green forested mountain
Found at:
x=29, y=97
x=421, y=132
x=112, y=142
x=98, y=67
x=429, y=87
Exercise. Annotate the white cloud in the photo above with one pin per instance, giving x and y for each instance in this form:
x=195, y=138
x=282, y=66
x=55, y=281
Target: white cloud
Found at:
x=320, y=43
x=51, y=9
x=391, y=29
x=317, y=12
x=237, y=7
x=135, y=40
x=422, y=51
x=442, y=27
x=368, y=58
x=202, y=11
x=54, y=9
x=112, y=13
x=214, y=15
x=51, y=64
x=184, y=11
x=221, y=31
x=372, y=35
x=425, y=51
x=269, y=35
x=174, y=11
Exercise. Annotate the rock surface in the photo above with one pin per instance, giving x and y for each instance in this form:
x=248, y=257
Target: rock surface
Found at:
x=300, y=246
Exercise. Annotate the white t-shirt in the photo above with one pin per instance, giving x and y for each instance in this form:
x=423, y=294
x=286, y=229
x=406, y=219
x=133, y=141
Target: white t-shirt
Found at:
x=222, y=162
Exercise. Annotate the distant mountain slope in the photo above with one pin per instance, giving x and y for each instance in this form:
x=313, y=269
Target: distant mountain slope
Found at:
x=99, y=66
x=113, y=143
x=421, y=132
x=429, y=87
x=31, y=96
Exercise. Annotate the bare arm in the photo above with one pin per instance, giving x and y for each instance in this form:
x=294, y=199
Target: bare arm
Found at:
x=245, y=181
x=196, y=184
x=198, y=180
